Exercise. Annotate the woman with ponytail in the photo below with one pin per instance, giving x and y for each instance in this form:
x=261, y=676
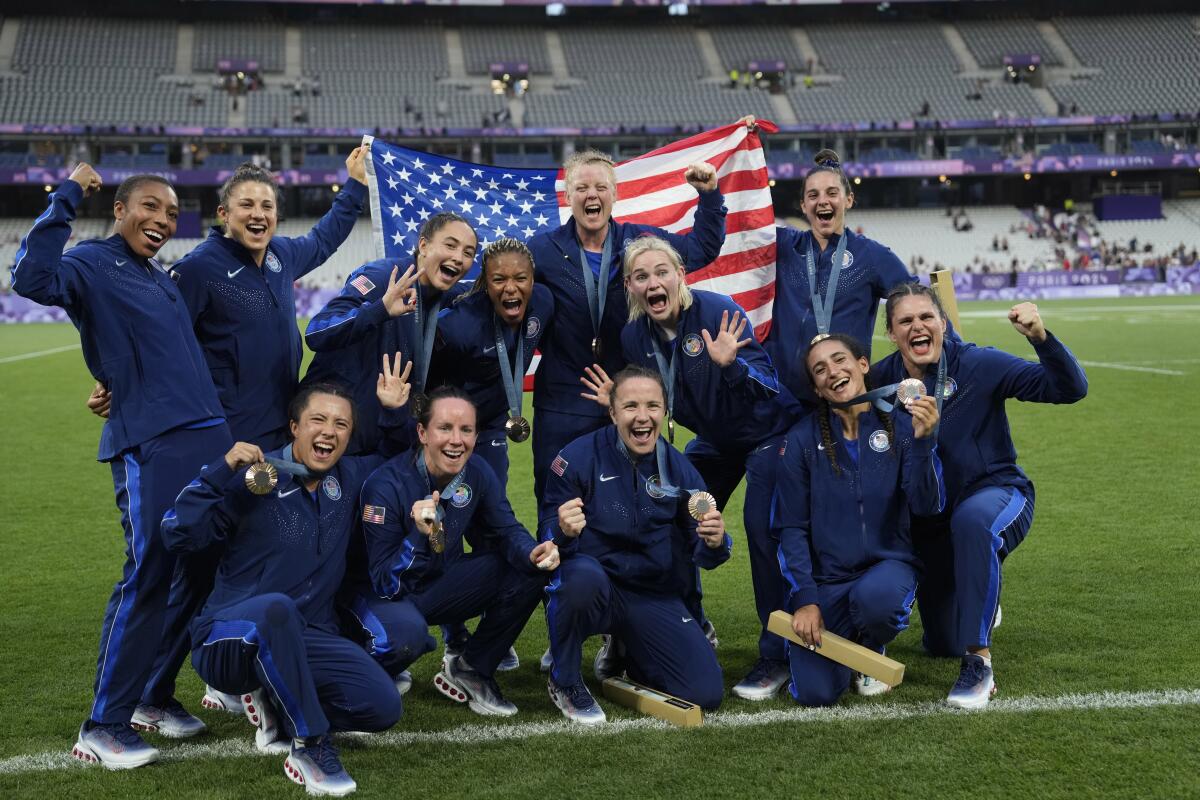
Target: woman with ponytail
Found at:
x=848, y=480
x=829, y=279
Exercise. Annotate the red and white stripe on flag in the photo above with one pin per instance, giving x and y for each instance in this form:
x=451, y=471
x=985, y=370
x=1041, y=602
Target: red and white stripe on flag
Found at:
x=651, y=191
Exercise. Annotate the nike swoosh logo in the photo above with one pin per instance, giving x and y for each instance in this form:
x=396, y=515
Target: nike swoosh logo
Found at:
x=498, y=444
x=235, y=272
x=293, y=490
x=121, y=262
x=687, y=619
x=604, y=478
x=649, y=355
x=489, y=349
x=820, y=446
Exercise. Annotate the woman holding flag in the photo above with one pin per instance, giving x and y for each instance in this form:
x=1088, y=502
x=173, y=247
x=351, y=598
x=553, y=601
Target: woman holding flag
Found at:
x=576, y=262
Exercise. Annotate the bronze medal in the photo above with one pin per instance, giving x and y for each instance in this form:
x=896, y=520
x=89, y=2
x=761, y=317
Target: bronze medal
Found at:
x=517, y=428
x=261, y=478
x=437, y=535
x=909, y=390
x=700, y=503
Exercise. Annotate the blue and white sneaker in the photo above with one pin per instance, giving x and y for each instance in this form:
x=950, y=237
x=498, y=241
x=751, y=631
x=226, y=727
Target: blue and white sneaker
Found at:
x=975, y=685
x=114, y=745
x=510, y=661
x=170, y=719
x=577, y=703
x=547, y=662
x=317, y=768
x=764, y=680
x=268, y=736
x=464, y=685
x=221, y=701
x=710, y=633
x=404, y=682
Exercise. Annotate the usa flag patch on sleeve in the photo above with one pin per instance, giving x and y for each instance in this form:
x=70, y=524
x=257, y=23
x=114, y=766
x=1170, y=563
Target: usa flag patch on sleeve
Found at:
x=559, y=465
x=374, y=514
x=363, y=284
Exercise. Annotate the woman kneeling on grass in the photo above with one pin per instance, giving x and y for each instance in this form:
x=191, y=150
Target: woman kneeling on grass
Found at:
x=853, y=574
x=989, y=499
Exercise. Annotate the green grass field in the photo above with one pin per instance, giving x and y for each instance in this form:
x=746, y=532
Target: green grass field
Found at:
x=1097, y=660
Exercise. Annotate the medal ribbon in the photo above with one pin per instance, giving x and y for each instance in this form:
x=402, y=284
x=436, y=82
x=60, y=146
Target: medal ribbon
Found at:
x=424, y=332
x=596, y=303
x=450, y=489
x=288, y=464
x=508, y=370
x=876, y=396
x=666, y=368
x=660, y=455
x=823, y=308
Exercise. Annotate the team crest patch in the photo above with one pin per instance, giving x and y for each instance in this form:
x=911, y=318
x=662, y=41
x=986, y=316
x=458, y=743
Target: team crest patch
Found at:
x=847, y=259
x=880, y=441
x=363, y=284
x=273, y=262
x=333, y=489
x=533, y=326
x=693, y=345
x=950, y=388
x=654, y=488
x=461, y=496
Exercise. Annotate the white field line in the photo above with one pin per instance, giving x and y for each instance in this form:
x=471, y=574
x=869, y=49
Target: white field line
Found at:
x=39, y=353
x=469, y=735
x=1132, y=368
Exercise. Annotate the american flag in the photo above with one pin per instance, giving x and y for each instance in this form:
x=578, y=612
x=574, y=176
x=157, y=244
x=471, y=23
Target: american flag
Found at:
x=374, y=514
x=408, y=186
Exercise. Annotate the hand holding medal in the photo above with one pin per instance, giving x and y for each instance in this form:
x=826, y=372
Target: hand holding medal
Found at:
x=702, y=506
x=925, y=415
x=425, y=515
x=261, y=477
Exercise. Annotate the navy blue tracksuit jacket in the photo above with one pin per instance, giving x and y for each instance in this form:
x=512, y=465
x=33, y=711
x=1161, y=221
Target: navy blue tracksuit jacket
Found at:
x=245, y=316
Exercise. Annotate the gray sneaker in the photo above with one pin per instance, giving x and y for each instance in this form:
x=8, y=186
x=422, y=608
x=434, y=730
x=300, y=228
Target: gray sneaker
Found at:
x=268, y=736
x=547, y=662
x=510, y=661
x=764, y=680
x=403, y=682
x=710, y=633
x=113, y=745
x=318, y=769
x=221, y=701
x=462, y=684
x=170, y=719
x=610, y=659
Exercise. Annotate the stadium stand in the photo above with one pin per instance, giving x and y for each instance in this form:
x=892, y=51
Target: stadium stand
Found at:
x=484, y=46
x=1150, y=64
x=251, y=41
x=990, y=40
x=741, y=44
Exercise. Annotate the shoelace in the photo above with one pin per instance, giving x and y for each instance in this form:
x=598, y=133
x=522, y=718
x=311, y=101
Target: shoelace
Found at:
x=971, y=675
x=580, y=697
x=125, y=734
x=326, y=756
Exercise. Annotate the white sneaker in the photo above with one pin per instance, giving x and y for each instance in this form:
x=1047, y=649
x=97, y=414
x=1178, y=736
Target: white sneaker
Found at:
x=547, y=662
x=510, y=661
x=866, y=686
x=764, y=680
x=268, y=736
x=482, y=694
x=577, y=703
x=114, y=746
x=171, y=720
x=221, y=701
x=975, y=685
x=404, y=682
x=318, y=769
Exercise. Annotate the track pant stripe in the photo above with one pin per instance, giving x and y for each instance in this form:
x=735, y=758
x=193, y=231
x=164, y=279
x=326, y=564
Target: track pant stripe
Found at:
x=128, y=587
x=1010, y=514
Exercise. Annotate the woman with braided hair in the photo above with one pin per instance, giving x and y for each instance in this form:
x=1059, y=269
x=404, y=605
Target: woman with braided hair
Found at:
x=485, y=342
x=848, y=480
